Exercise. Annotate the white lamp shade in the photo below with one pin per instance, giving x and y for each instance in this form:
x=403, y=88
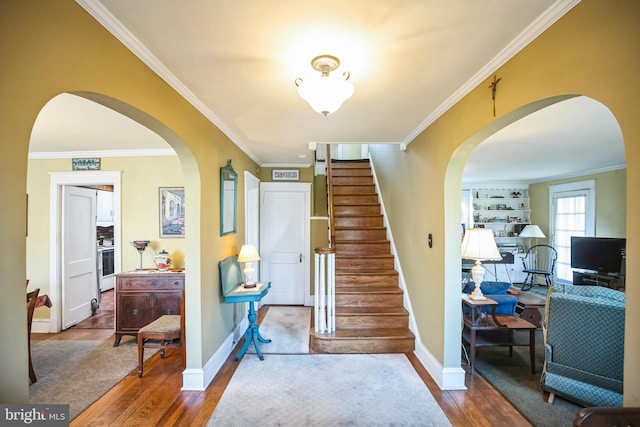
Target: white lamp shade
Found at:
x=248, y=253
x=532, y=231
x=325, y=94
x=480, y=245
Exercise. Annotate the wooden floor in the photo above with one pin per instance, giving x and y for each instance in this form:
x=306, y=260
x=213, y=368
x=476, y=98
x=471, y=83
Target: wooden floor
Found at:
x=156, y=398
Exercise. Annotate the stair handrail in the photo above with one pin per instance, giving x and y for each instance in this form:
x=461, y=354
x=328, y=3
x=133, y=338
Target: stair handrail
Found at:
x=332, y=231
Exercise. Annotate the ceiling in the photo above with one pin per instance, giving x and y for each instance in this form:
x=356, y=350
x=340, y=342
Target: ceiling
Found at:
x=409, y=61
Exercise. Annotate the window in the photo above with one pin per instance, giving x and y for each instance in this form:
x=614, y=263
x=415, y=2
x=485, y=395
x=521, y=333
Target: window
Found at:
x=571, y=214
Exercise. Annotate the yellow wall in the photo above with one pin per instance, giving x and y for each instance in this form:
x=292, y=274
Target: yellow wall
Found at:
x=611, y=203
x=591, y=51
x=56, y=47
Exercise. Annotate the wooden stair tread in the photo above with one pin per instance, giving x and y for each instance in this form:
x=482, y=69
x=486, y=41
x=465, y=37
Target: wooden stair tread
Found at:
x=370, y=333
x=370, y=311
x=373, y=256
x=337, y=203
x=381, y=272
x=369, y=290
x=368, y=272
x=364, y=242
x=346, y=164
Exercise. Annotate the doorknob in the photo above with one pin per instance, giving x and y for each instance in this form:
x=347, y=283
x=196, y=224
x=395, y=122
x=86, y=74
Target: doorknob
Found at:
x=300, y=258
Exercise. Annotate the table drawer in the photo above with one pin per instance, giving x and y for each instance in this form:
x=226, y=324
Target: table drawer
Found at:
x=150, y=283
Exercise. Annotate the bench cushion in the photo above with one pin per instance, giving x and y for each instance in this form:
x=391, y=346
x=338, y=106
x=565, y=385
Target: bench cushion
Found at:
x=169, y=323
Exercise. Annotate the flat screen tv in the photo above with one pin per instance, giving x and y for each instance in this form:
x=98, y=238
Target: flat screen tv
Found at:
x=600, y=254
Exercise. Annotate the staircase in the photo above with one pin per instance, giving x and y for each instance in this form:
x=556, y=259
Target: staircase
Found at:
x=370, y=317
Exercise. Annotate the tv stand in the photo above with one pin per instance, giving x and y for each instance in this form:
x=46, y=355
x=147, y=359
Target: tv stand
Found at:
x=594, y=279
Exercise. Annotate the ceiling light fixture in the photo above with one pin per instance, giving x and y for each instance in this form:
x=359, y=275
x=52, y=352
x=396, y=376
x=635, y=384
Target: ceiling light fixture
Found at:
x=325, y=93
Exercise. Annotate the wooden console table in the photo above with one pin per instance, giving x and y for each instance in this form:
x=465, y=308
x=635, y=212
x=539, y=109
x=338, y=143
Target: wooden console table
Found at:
x=142, y=296
x=490, y=330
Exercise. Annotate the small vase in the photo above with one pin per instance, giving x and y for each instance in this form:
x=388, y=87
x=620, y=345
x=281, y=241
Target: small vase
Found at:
x=162, y=261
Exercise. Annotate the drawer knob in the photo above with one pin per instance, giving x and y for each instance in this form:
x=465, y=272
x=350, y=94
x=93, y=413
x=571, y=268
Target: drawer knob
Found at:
x=135, y=311
x=176, y=283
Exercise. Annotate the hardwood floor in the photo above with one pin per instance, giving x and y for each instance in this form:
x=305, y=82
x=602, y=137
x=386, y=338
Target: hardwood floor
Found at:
x=156, y=398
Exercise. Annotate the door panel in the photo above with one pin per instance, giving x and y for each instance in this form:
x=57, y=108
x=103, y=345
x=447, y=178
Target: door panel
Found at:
x=284, y=244
x=79, y=268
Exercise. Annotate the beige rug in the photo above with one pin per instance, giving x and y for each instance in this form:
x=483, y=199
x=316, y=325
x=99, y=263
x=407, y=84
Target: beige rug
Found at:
x=327, y=390
x=288, y=329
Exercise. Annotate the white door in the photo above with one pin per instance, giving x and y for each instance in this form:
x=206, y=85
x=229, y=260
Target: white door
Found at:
x=284, y=241
x=79, y=275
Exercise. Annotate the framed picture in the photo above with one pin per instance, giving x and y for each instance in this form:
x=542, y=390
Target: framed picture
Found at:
x=171, y=212
x=285, y=174
x=501, y=207
x=513, y=219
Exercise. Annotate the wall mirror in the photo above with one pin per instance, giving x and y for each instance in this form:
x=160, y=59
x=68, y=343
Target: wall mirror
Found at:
x=228, y=192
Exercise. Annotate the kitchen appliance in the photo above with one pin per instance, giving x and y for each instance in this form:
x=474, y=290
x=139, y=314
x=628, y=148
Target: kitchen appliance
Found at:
x=106, y=276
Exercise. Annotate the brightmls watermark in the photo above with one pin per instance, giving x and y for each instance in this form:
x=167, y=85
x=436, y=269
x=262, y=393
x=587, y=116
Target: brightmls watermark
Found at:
x=34, y=415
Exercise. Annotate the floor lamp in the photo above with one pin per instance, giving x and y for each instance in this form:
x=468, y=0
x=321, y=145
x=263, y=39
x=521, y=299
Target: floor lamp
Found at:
x=532, y=231
x=479, y=245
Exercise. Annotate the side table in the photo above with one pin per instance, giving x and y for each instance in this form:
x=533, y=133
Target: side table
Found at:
x=250, y=295
x=485, y=330
x=529, y=305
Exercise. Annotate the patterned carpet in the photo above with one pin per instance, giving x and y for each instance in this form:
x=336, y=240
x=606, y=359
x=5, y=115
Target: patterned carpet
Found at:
x=327, y=390
x=288, y=328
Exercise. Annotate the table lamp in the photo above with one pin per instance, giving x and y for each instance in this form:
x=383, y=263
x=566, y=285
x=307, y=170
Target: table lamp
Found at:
x=479, y=245
x=248, y=254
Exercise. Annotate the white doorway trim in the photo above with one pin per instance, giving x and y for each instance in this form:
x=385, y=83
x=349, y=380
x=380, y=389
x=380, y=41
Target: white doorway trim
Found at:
x=57, y=180
x=252, y=216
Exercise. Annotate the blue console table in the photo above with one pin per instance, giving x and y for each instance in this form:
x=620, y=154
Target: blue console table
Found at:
x=234, y=291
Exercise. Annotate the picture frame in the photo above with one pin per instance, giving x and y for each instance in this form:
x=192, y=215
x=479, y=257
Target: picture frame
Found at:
x=285, y=175
x=513, y=219
x=171, y=211
x=501, y=206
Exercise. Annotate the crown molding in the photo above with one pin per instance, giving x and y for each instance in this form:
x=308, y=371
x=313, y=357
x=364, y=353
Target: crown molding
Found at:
x=119, y=31
x=544, y=21
x=101, y=154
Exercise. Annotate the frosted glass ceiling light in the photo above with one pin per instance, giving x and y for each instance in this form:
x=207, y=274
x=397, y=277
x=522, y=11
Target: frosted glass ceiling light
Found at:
x=325, y=93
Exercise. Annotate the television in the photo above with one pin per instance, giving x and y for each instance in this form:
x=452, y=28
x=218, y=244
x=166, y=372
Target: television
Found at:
x=601, y=254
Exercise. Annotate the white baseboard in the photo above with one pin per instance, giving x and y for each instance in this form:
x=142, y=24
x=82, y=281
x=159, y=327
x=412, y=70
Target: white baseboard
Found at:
x=446, y=378
x=40, y=326
x=199, y=379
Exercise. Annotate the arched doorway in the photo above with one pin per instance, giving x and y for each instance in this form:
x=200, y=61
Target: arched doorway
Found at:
x=145, y=174
x=523, y=121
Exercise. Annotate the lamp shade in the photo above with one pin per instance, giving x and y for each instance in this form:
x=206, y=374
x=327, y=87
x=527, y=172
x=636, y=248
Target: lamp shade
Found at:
x=480, y=245
x=248, y=253
x=532, y=231
x=325, y=94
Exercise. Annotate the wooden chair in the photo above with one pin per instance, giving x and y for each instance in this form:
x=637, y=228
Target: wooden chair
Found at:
x=32, y=298
x=540, y=260
x=166, y=331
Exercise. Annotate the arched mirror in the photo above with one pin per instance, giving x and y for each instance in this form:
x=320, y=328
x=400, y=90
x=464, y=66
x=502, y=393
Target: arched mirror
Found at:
x=228, y=197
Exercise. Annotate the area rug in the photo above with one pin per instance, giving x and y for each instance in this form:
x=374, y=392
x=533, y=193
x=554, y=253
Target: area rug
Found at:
x=327, y=390
x=288, y=329
x=77, y=373
x=512, y=377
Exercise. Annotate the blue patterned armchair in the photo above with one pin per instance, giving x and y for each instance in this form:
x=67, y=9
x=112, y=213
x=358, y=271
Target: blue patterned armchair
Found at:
x=497, y=291
x=584, y=344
